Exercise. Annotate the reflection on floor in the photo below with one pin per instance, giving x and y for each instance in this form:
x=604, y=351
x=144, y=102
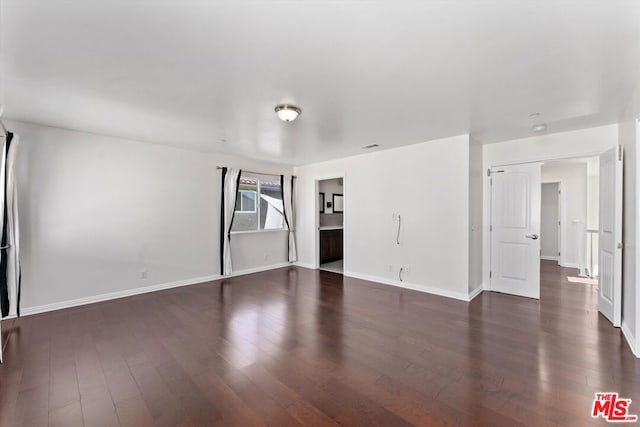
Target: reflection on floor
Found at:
x=335, y=266
x=585, y=280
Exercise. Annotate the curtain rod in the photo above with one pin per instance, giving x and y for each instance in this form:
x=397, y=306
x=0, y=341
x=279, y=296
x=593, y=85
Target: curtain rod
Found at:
x=257, y=173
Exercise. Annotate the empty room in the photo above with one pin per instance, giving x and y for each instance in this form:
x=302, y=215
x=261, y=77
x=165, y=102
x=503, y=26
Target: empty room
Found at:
x=305, y=213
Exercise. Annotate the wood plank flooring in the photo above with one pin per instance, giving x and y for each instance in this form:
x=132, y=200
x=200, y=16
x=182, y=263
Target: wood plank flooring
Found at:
x=294, y=347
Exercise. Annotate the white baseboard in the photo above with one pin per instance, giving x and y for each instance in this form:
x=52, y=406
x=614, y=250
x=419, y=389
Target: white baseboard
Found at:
x=256, y=270
x=305, y=265
x=421, y=288
x=570, y=265
x=197, y=280
x=138, y=291
x=474, y=293
x=548, y=258
x=631, y=340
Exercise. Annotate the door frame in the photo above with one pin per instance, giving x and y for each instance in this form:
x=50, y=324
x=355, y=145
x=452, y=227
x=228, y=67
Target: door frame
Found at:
x=561, y=219
x=636, y=341
x=486, y=219
x=316, y=187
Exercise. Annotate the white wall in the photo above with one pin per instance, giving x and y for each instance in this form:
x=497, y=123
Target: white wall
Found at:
x=428, y=185
x=574, y=197
x=95, y=211
x=628, y=134
x=549, y=222
x=475, y=215
x=579, y=143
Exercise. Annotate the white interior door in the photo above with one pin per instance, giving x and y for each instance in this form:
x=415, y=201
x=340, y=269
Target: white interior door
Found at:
x=610, y=236
x=515, y=229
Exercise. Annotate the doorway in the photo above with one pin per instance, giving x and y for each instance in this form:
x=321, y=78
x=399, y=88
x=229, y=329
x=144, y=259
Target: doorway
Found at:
x=331, y=207
x=550, y=223
x=570, y=190
x=555, y=220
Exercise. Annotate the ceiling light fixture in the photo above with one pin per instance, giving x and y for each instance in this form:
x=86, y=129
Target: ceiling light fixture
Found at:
x=540, y=127
x=287, y=112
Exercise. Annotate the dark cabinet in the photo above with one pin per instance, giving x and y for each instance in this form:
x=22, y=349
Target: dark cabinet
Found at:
x=330, y=245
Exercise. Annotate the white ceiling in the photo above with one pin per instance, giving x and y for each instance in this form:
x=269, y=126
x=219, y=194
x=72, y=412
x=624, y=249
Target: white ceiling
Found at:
x=197, y=73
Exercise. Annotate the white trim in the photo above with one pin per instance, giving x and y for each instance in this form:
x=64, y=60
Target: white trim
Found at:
x=570, y=265
x=637, y=242
x=631, y=340
x=138, y=291
x=421, y=288
x=474, y=293
x=263, y=230
x=549, y=258
x=256, y=270
x=305, y=265
x=415, y=287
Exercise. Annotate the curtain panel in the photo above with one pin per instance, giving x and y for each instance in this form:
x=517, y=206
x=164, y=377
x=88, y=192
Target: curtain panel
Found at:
x=230, y=183
x=288, y=196
x=10, y=274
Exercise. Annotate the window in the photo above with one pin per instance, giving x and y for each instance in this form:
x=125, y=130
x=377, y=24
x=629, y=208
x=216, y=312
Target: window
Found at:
x=259, y=204
x=246, y=201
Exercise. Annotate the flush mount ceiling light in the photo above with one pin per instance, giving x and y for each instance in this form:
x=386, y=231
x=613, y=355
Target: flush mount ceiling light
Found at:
x=540, y=127
x=287, y=112
x=538, y=124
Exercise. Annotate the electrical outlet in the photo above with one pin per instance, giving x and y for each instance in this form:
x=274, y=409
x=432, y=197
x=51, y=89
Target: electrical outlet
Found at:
x=143, y=274
x=390, y=268
x=394, y=216
x=405, y=268
x=266, y=257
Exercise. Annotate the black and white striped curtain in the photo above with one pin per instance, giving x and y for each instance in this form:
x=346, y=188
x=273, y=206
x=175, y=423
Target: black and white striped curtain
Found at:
x=230, y=183
x=288, y=193
x=10, y=242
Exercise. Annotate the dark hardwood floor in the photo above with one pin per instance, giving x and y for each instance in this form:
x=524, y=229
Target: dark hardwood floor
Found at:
x=295, y=347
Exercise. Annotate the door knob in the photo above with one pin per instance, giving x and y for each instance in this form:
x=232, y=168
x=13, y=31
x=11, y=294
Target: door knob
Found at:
x=532, y=236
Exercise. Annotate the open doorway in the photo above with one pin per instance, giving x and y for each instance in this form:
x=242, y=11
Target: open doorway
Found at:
x=570, y=220
x=331, y=224
x=588, y=214
x=569, y=216
x=566, y=194
x=550, y=224
x=543, y=215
